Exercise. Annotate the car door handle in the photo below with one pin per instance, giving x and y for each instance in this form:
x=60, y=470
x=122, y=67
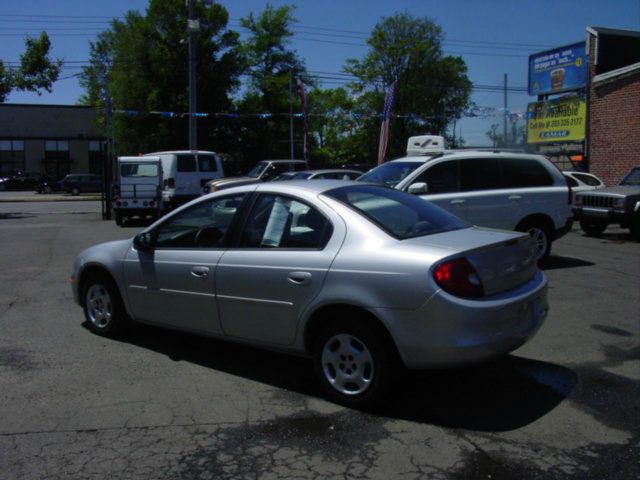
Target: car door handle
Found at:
x=200, y=272
x=514, y=197
x=458, y=201
x=299, y=278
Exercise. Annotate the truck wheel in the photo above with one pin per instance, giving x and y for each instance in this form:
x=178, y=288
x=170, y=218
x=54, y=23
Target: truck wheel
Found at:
x=592, y=229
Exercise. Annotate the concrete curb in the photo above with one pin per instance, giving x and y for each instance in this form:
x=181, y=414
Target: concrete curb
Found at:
x=51, y=198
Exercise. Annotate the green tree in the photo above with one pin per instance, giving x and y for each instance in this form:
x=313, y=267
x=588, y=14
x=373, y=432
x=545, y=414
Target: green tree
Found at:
x=36, y=71
x=142, y=62
x=271, y=66
x=432, y=89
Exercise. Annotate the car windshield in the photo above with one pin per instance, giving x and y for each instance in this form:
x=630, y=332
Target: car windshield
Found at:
x=390, y=174
x=632, y=178
x=399, y=214
x=256, y=171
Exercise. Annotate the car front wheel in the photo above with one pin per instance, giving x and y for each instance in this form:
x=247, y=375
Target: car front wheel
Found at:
x=103, y=306
x=592, y=229
x=355, y=365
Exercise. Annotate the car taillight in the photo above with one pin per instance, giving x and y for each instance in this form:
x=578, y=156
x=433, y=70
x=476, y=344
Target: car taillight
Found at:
x=459, y=278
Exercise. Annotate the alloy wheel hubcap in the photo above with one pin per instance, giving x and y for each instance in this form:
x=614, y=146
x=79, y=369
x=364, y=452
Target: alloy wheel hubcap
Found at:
x=347, y=364
x=539, y=241
x=99, y=306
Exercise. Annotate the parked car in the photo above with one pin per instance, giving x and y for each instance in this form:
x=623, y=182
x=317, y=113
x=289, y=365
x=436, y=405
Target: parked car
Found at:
x=326, y=174
x=263, y=171
x=22, y=181
x=48, y=186
x=185, y=172
x=620, y=205
x=360, y=277
x=582, y=181
x=77, y=183
x=489, y=188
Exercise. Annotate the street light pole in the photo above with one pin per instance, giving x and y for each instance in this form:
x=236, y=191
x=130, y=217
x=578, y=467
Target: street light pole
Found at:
x=193, y=27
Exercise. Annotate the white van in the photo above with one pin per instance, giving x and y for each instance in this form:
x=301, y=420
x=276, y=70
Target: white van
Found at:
x=137, y=190
x=185, y=173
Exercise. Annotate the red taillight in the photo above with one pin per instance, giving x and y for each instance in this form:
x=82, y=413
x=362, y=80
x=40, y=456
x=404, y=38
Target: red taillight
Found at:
x=459, y=278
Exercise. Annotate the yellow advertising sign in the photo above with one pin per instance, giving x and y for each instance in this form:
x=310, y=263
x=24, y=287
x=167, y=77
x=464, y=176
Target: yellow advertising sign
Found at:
x=561, y=120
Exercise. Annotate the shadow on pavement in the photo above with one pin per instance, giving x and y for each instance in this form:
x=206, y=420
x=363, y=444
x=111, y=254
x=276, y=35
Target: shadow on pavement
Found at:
x=15, y=216
x=498, y=396
x=554, y=262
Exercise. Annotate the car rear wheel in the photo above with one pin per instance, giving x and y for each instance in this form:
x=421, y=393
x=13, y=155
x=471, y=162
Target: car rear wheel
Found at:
x=592, y=229
x=541, y=235
x=355, y=365
x=103, y=306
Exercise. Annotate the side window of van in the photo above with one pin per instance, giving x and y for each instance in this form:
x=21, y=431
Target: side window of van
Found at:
x=480, y=174
x=521, y=173
x=186, y=163
x=207, y=163
x=441, y=177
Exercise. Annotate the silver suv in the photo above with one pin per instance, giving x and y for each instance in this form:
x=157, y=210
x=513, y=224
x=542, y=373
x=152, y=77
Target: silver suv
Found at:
x=497, y=189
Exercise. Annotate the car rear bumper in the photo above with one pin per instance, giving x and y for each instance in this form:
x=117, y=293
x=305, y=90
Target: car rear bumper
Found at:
x=449, y=331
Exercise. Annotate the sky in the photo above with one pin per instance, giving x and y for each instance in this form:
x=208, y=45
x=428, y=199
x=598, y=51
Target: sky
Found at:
x=494, y=37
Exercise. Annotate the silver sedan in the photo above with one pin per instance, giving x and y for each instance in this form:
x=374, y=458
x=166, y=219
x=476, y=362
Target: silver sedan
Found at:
x=362, y=278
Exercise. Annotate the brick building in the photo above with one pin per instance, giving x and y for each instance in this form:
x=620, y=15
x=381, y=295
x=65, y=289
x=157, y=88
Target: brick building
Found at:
x=613, y=136
x=50, y=139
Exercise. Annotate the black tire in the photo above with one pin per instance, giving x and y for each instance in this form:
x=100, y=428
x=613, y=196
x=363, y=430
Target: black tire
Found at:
x=592, y=229
x=365, y=359
x=541, y=235
x=634, y=228
x=119, y=219
x=103, y=307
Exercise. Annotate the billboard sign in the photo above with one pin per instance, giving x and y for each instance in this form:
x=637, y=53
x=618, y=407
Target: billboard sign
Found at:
x=560, y=120
x=558, y=70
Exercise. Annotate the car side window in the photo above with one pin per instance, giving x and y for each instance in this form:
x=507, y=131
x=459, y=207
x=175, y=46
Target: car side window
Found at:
x=204, y=225
x=441, y=177
x=522, y=173
x=571, y=181
x=588, y=179
x=207, y=163
x=480, y=174
x=186, y=163
x=277, y=221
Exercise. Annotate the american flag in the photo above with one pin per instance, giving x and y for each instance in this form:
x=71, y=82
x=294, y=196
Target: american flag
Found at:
x=303, y=100
x=386, y=119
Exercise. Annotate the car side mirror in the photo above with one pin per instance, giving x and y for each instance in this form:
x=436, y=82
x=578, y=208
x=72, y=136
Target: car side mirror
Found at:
x=418, y=188
x=143, y=241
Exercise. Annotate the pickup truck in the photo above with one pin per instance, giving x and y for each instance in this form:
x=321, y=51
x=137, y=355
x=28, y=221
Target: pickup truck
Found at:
x=597, y=209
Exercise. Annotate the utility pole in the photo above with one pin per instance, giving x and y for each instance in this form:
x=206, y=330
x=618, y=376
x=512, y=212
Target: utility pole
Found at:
x=193, y=25
x=506, y=115
x=107, y=165
x=291, y=112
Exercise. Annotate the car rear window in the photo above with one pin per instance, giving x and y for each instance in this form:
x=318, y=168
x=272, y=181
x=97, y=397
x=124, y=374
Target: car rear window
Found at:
x=399, y=214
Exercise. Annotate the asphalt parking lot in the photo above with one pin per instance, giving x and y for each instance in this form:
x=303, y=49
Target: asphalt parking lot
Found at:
x=164, y=405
